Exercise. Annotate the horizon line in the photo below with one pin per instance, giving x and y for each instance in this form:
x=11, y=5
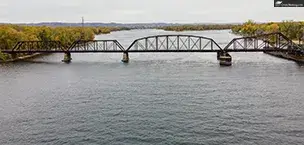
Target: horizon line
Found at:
x=144, y=22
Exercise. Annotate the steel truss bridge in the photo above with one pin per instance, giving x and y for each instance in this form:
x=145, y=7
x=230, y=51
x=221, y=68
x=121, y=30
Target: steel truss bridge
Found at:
x=272, y=42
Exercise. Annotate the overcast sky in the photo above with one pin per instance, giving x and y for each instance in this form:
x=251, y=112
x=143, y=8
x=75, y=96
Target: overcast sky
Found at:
x=130, y=11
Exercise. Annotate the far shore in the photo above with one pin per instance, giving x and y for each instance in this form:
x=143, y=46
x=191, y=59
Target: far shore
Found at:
x=22, y=58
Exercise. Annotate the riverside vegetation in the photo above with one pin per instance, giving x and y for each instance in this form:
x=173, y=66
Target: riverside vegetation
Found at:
x=11, y=34
x=198, y=27
x=293, y=30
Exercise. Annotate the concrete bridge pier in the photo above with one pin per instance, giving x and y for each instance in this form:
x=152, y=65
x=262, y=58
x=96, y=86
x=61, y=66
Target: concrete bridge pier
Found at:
x=67, y=57
x=218, y=54
x=14, y=55
x=125, y=58
x=224, y=58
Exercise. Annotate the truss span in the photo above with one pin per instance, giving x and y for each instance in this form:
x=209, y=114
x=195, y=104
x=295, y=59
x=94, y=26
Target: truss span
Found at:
x=96, y=46
x=174, y=43
x=264, y=42
x=37, y=46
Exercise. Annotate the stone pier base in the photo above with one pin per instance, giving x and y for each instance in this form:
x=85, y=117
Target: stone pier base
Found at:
x=14, y=56
x=125, y=57
x=224, y=58
x=218, y=54
x=67, y=57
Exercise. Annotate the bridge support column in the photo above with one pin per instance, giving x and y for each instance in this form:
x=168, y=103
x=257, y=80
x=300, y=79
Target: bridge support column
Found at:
x=224, y=58
x=67, y=57
x=218, y=54
x=14, y=56
x=125, y=57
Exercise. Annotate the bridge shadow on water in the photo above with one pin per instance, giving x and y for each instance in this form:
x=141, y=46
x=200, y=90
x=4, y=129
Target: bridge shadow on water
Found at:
x=300, y=64
x=37, y=62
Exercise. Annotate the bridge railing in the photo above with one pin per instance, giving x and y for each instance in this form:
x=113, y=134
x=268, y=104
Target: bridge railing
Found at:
x=96, y=46
x=174, y=43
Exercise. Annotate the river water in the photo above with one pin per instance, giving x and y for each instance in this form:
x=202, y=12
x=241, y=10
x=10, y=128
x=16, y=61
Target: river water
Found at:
x=158, y=98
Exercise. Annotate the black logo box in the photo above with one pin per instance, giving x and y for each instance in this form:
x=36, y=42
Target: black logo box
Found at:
x=288, y=3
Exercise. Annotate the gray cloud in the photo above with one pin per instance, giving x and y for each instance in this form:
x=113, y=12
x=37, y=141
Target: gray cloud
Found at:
x=184, y=11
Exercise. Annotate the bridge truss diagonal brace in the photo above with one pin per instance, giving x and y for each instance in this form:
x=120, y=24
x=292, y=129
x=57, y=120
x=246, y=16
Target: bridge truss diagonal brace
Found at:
x=261, y=42
x=174, y=43
x=96, y=46
x=42, y=46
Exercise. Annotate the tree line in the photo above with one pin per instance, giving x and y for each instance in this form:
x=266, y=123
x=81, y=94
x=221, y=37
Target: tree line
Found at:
x=10, y=34
x=292, y=29
x=199, y=27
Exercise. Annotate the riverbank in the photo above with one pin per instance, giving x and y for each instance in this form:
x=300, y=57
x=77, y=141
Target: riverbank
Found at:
x=12, y=34
x=291, y=29
x=299, y=59
x=66, y=35
x=22, y=58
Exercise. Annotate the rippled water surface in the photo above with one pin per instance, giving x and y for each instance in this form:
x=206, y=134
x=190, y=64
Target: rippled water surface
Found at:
x=158, y=98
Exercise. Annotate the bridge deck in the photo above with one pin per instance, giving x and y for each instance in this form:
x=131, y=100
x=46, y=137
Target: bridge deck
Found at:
x=143, y=51
x=162, y=43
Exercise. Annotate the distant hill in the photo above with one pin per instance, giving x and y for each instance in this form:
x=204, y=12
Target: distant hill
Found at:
x=125, y=25
x=131, y=25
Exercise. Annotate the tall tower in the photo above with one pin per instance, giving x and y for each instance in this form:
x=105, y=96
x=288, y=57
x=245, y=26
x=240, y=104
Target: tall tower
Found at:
x=82, y=21
x=82, y=33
